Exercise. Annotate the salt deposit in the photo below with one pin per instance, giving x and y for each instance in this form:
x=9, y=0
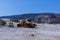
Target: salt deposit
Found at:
x=41, y=32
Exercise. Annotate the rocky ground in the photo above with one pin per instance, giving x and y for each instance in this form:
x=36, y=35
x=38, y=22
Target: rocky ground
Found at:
x=41, y=32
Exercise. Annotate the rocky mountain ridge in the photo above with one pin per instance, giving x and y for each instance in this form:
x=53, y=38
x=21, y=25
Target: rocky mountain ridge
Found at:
x=37, y=17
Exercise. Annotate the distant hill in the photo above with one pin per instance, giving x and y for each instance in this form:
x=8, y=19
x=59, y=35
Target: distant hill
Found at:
x=37, y=17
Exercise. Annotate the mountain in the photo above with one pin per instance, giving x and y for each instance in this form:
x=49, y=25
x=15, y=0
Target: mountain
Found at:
x=37, y=17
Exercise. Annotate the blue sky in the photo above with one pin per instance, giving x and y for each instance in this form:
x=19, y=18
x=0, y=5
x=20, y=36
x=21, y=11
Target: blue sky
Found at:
x=16, y=7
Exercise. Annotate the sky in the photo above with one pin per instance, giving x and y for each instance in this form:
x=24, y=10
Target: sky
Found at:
x=17, y=7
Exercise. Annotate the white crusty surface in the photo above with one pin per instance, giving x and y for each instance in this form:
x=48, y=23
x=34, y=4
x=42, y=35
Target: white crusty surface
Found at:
x=41, y=32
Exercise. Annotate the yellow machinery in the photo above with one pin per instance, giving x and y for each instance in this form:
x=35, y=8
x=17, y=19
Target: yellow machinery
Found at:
x=26, y=24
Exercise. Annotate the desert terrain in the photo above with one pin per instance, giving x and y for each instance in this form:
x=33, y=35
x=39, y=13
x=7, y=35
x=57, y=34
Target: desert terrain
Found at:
x=41, y=32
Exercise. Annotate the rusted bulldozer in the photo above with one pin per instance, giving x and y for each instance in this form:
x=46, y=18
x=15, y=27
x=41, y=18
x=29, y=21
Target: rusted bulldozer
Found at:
x=27, y=24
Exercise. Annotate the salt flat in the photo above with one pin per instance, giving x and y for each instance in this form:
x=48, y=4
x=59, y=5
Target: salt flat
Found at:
x=41, y=32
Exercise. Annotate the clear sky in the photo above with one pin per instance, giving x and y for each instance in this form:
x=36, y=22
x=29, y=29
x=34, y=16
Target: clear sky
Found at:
x=16, y=7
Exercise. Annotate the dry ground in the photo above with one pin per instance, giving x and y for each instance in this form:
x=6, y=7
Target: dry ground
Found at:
x=41, y=32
